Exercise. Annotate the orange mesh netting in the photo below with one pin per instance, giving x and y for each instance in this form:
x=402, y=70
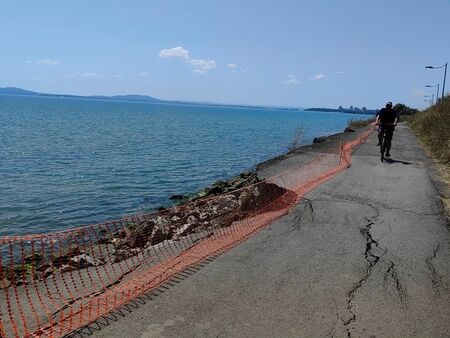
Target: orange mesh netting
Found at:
x=53, y=284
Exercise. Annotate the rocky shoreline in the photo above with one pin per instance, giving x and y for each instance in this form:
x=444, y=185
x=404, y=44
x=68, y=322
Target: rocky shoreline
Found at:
x=250, y=177
x=214, y=207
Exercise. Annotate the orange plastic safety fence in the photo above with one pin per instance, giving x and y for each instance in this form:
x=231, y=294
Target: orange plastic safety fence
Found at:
x=53, y=284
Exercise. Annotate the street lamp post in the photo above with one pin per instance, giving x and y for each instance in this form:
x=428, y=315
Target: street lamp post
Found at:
x=445, y=75
x=437, y=91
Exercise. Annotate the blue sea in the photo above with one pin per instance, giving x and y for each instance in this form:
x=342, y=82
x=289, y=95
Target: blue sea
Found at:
x=66, y=162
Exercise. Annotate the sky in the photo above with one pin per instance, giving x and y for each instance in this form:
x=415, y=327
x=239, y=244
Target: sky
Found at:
x=293, y=53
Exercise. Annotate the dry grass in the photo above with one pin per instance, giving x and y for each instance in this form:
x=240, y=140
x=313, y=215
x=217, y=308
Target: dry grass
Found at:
x=355, y=124
x=297, y=139
x=433, y=129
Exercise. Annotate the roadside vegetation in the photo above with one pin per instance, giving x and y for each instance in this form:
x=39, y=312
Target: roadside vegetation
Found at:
x=432, y=126
x=297, y=139
x=404, y=111
x=355, y=124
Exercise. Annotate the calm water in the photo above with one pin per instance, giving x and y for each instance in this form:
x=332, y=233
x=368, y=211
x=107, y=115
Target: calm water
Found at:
x=67, y=162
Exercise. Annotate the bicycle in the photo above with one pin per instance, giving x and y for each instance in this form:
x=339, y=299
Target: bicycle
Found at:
x=386, y=138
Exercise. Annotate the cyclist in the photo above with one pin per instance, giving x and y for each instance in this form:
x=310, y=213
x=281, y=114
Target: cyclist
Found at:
x=387, y=120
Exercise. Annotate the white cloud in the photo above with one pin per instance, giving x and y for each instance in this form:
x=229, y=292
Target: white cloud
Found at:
x=28, y=62
x=203, y=64
x=178, y=52
x=143, y=74
x=318, y=77
x=48, y=62
x=117, y=76
x=232, y=65
x=339, y=72
x=291, y=80
x=199, y=71
x=85, y=75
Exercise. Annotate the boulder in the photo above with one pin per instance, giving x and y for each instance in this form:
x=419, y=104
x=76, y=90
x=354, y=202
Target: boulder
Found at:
x=4, y=284
x=83, y=261
x=33, y=258
x=319, y=139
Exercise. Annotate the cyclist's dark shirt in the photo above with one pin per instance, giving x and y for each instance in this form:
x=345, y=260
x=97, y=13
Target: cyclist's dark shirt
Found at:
x=387, y=115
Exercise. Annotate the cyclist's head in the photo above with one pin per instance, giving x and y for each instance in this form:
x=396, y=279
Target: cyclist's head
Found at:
x=389, y=104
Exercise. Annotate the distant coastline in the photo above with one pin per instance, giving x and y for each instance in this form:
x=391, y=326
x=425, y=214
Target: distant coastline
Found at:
x=150, y=99
x=344, y=110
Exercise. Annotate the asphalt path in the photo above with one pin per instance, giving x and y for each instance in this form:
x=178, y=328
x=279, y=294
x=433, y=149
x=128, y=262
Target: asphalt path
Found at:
x=366, y=254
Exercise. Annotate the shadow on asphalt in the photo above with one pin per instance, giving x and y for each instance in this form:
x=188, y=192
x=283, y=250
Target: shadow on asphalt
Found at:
x=123, y=311
x=391, y=161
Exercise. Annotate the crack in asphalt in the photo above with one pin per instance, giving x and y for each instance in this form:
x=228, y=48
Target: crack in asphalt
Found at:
x=301, y=216
x=400, y=290
x=377, y=204
x=373, y=254
x=372, y=259
x=435, y=278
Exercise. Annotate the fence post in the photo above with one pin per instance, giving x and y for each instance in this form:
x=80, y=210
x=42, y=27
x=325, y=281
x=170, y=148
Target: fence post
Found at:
x=340, y=152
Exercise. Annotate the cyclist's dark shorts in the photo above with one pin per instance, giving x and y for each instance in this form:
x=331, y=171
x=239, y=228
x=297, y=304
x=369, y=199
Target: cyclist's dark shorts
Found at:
x=388, y=129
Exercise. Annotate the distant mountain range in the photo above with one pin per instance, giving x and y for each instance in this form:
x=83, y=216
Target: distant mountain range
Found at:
x=138, y=98
x=150, y=99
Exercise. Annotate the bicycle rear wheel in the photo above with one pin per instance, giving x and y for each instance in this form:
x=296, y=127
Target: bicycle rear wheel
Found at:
x=383, y=147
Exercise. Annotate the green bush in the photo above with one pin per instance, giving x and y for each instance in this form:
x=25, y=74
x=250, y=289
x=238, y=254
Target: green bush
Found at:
x=402, y=109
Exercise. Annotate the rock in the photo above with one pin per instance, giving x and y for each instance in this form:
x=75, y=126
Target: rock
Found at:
x=262, y=195
x=38, y=275
x=163, y=222
x=246, y=174
x=177, y=197
x=220, y=184
x=43, y=267
x=182, y=231
x=66, y=268
x=319, y=139
x=136, y=239
x=157, y=236
x=175, y=218
x=216, y=191
x=203, y=193
x=49, y=271
x=4, y=284
x=122, y=254
x=105, y=240
x=24, y=280
x=226, y=203
x=84, y=261
x=63, y=258
x=138, y=236
x=33, y=258
x=191, y=220
x=349, y=130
